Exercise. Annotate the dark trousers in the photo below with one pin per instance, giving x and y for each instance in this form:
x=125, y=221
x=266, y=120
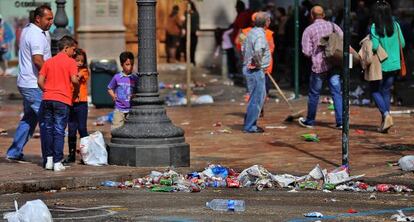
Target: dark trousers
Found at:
x=78, y=119
x=231, y=61
x=53, y=118
x=381, y=91
x=194, y=41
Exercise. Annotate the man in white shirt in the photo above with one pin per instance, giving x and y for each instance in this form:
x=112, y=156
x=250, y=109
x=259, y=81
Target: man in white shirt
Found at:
x=34, y=51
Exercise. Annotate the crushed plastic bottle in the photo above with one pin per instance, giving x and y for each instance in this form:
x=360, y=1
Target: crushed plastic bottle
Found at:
x=226, y=205
x=167, y=182
x=216, y=183
x=309, y=185
x=313, y=214
x=162, y=189
x=109, y=183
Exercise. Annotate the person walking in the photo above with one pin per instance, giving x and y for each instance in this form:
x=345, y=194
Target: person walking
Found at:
x=33, y=52
x=386, y=32
x=321, y=69
x=256, y=59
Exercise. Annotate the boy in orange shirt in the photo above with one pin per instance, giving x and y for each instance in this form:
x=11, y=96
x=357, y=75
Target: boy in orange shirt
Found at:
x=55, y=80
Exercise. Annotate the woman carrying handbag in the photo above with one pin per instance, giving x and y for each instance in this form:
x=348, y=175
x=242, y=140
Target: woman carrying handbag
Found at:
x=386, y=32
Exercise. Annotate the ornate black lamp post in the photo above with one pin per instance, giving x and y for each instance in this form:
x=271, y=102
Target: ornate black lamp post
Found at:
x=60, y=21
x=148, y=138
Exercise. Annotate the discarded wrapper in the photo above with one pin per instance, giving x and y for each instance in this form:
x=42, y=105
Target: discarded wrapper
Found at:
x=339, y=175
x=275, y=127
x=284, y=180
x=313, y=214
x=311, y=137
x=401, y=216
x=316, y=173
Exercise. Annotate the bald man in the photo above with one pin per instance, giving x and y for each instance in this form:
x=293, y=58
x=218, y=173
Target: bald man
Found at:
x=321, y=69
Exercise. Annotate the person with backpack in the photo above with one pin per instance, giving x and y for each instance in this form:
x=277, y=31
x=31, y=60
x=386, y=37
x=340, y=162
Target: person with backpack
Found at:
x=386, y=32
x=322, y=67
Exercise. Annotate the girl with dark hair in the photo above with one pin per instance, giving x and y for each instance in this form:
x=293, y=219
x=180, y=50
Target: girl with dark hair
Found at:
x=78, y=113
x=386, y=32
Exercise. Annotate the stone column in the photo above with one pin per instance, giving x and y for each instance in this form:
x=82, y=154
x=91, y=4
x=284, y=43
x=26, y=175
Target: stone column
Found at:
x=101, y=31
x=148, y=137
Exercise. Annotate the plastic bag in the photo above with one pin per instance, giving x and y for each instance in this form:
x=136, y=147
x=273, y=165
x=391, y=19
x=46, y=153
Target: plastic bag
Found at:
x=407, y=163
x=34, y=210
x=93, y=150
x=203, y=99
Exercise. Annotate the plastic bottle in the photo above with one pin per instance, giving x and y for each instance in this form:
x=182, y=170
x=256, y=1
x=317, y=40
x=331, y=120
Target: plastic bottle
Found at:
x=226, y=205
x=109, y=183
x=216, y=183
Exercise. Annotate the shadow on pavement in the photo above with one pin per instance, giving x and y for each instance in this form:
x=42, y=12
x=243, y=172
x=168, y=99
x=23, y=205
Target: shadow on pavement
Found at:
x=283, y=144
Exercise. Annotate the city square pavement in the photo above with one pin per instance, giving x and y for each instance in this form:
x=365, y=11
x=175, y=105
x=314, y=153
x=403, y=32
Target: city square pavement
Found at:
x=281, y=149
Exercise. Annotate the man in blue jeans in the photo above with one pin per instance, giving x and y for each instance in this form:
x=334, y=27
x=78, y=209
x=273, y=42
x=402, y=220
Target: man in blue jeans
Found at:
x=256, y=58
x=34, y=51
x=321, y=69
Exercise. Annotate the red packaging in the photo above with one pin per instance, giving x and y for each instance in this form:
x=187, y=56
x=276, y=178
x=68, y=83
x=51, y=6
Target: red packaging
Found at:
x=194, y=180
x=194, y=188
x=233, y=173
x=232, y=182
x=352, y=211
x=383, y=187
x=363, y=186
x=360, y=132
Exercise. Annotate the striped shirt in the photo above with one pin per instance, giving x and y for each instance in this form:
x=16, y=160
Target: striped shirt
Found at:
x=310, y=43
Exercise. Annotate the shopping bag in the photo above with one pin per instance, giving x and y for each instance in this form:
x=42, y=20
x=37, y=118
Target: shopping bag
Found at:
x=93, y=150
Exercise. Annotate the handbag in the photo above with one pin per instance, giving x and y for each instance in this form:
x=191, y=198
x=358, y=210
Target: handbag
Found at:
x=333, y=47
x=403, y=70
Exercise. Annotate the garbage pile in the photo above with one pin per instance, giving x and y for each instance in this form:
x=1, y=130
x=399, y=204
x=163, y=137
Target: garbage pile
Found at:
x=217, y=176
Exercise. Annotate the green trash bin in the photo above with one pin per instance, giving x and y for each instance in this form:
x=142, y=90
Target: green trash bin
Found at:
x=102, y=72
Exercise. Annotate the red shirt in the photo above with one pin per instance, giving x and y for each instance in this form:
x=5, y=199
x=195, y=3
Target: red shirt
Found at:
x=57, y=71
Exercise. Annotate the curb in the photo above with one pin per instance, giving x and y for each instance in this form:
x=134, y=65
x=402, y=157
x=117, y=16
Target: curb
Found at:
x=74, y=182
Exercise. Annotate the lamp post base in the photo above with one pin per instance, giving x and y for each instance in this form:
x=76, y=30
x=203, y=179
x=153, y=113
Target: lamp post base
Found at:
x=174, y=154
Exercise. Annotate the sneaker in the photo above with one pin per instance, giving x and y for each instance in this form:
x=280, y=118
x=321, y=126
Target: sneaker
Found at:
x=58, y=167
x=12, y=158
x=49, y=163
x=387, y=124
x=302, y=122
x=339, y=126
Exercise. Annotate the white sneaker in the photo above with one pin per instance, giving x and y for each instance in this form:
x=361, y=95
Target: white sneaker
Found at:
x=49, y=163
x=302, y=122
x=58, y=167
